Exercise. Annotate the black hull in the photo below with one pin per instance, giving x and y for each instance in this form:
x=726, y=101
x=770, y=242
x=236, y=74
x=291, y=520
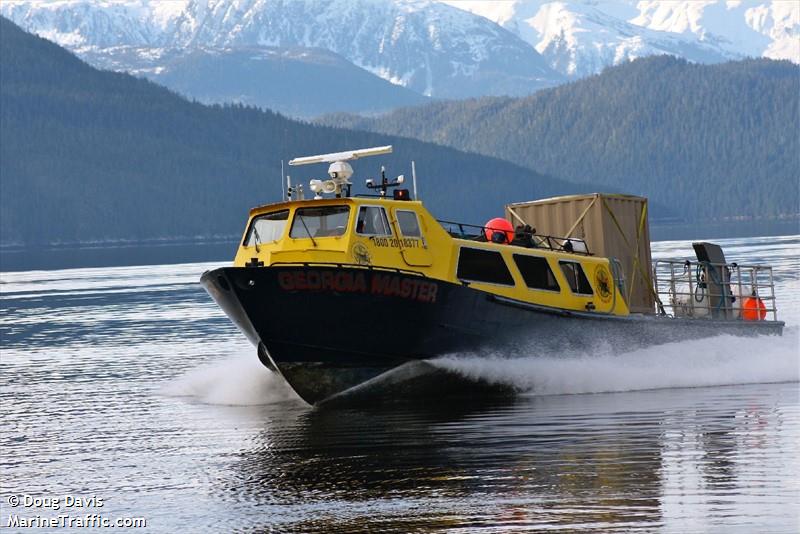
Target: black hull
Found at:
x=330, y=329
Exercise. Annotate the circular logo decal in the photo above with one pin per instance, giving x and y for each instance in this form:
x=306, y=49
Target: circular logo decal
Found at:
x=361, y=254
x=602, y=282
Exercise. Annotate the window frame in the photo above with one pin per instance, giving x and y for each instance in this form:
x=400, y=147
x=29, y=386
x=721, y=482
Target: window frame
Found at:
x=252, y=226
x=583, y=272
x=512, y=283
x=549, y=269
x=397, y=211
x=385, y=220
x=298, y=210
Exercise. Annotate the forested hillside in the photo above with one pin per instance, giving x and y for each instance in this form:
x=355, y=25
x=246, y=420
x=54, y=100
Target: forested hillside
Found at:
x=94, y=155
x=709, y=141
x=298, y=82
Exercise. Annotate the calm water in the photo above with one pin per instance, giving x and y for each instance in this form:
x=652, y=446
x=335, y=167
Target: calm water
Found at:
x=129, y=385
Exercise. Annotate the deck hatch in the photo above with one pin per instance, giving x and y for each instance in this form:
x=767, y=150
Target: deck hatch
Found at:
x=478, y=265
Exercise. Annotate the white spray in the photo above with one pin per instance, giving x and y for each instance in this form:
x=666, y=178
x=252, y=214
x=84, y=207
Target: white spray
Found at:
x=236, y=381
x=720, y=360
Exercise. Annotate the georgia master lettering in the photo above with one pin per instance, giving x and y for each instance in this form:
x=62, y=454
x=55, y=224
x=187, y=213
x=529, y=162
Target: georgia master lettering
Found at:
x=388, y=285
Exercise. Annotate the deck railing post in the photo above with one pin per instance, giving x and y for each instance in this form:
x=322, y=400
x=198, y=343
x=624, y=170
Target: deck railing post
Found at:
x=741, y=301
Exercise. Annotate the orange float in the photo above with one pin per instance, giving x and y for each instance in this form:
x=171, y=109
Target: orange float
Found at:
x=499, y=225
x=753, y=309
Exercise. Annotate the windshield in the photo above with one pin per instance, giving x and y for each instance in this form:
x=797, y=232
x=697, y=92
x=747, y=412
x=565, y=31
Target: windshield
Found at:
x=266, y=228
x=327, y=221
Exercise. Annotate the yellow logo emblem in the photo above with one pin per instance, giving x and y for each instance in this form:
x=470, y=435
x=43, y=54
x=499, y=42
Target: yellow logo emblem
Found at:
x=602, y=282
x=361, y=254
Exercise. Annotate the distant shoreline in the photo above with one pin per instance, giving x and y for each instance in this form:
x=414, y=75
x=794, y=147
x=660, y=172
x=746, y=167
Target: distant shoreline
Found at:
x=115, y=255
x=125, y=243
x=669, y=231
x=223, y=248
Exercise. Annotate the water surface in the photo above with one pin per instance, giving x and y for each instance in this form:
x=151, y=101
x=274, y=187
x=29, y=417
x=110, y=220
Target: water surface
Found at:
x=129, y=384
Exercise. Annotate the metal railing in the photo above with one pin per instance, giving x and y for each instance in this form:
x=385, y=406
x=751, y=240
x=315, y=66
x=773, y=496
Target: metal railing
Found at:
x=478, y=233
x=700, y=290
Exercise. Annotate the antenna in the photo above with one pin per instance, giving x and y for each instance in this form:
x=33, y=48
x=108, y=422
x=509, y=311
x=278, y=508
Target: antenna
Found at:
x=386, y=184
x=414, y=178
x=283, y=189
x=339, y=170
x=342, y=156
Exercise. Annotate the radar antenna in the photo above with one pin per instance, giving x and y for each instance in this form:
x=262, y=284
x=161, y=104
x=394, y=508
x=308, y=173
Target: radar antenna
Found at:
x=339, y=170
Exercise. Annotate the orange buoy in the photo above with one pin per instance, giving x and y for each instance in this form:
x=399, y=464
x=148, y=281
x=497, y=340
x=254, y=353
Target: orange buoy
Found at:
x=753, y=309
x=499, y=225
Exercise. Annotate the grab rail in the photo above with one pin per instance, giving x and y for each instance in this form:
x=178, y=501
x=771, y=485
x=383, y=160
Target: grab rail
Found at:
x=563, y=244
x=687, y=288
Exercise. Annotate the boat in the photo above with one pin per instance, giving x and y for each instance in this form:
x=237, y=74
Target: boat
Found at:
x=342, y=291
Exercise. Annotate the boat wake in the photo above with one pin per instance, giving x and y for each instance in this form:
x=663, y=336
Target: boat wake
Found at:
x=237, y=381
x=241, y=380
x=717, y=361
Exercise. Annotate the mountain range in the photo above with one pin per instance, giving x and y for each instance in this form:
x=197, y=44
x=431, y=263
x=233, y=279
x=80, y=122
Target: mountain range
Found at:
x=582, y=37
x=428, y=47
x=446, y=50
x=91, y=155
x=97, y=155
x=297, y=81
x=706, y=141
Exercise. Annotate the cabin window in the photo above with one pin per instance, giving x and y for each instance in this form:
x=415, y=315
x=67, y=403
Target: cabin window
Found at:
x=372, y=220
x=536, y=272
x=576, y=279
x=325, y=221
x=479, y=265
x=267, y=228
x=409, y=224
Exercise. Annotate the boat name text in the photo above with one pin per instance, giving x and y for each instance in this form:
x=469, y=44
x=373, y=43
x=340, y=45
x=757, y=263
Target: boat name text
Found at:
x=388, y=285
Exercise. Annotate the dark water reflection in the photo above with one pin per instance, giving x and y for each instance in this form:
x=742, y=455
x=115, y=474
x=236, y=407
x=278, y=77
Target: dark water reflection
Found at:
x=674, y=460
x=129, y=384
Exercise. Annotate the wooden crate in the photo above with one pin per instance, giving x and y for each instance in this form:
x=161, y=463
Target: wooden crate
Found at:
x=613, y=226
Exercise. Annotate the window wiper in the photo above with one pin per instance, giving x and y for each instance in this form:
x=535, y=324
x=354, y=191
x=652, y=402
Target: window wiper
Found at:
x=300, y=216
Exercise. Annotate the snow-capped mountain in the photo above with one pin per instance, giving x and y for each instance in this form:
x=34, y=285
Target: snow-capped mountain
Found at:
x=581, y=37
x=752, y=28
x=444, y=48
x=80, y=23
x=426, y=46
